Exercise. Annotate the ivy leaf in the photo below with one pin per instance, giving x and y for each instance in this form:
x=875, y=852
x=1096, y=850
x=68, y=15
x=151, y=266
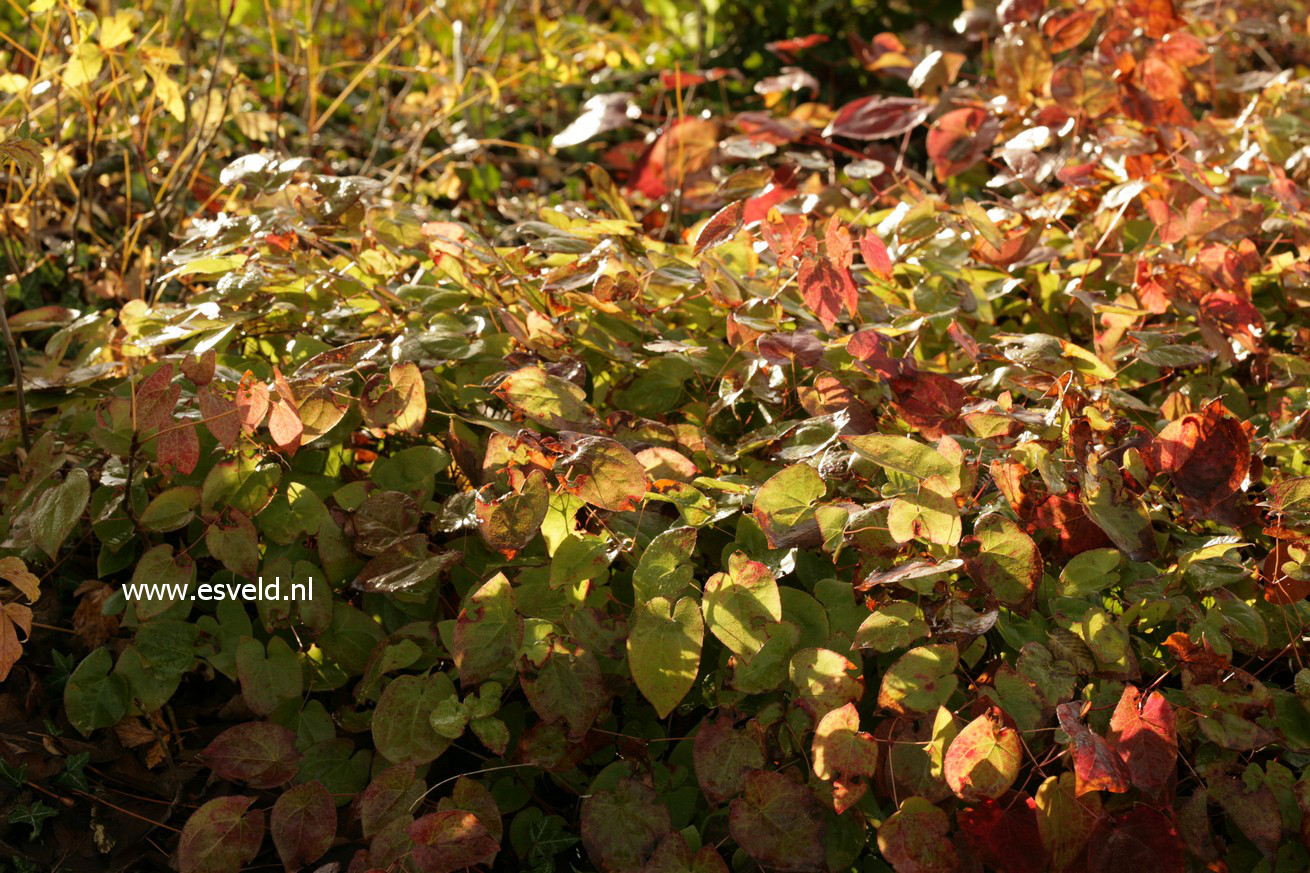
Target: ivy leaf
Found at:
x=784, y=505
x=823, y=678
x=548, y=400
x=563, y=682
x=621, y=827
x=741, y=605
x=58, y=510
x=983, y=760
x=303, y=824
x=1004, y=835
x=664, y=650
x=488, y=632
x=778, y=822
x=13, y=616
x=222, y=836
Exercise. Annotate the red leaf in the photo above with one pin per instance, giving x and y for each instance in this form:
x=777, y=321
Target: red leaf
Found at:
x=200, y=370
x=448, y=841
x=221, y=415
x=838, y=240
x=876, y=258
x=827, y=289
x=1095, y=764
x=303, y=824
x=960, y=139
x=156, y=398
x=1143, y=735
x=878, y=117
x=178, y=447
x=1003, y=834
x=261, y=754
x=1140, y=839
x=285, y=427
x=252, y=402
x=1208, y=456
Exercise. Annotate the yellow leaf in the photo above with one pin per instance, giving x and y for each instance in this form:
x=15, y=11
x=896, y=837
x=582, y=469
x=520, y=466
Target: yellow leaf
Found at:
x=84, y=65
x=118, y=29
x=15, y=572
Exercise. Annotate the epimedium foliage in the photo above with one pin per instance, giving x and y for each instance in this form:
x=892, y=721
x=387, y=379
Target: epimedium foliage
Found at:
x=955, y=525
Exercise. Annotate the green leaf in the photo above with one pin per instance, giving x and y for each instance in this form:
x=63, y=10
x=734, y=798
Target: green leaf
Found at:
x=784, y=505
x=921, y=680
x=171, y=509
x=1090, y=572
x=268, y=677
x=402, y=729
x=94, y=697
x=664, y=650
x=891, y=626
x=665, y=568
x=741, y=605
x=930, y=515
x=905, y=455
x=58, y=509
x=622, y=826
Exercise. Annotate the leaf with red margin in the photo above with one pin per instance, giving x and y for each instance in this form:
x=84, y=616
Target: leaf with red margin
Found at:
x=602, y=472
x=778, y=823
x=1140, y=839
x=983, y=760
x=844, y=755
x=1143, y=735
x=448, y=841
x=303, y=824
x=960, y=139
x=1003, y=834
x=827, y=290
x=220, y=836
x=915, y=839
x=722, y=754
x=1096, y=765
x=258, y=753
x=621, y=827
x=878, y=117
x=510, y=522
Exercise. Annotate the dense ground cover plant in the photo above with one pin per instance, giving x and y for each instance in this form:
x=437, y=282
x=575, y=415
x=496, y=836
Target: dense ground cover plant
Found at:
x=732, y=475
